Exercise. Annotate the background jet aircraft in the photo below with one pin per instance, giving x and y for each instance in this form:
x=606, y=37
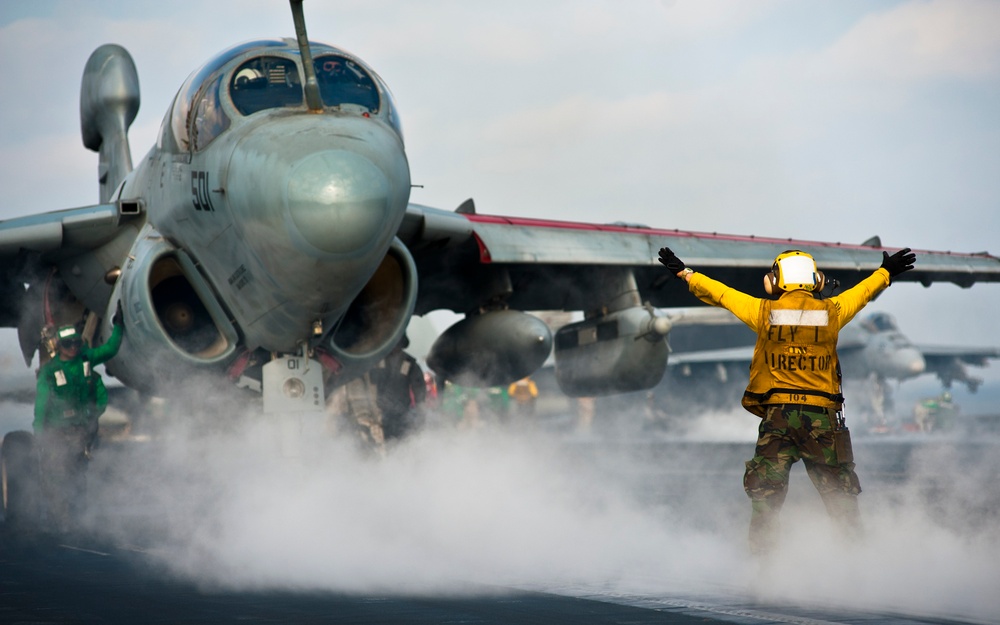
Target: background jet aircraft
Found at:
x=709, y=353
x=268, y=238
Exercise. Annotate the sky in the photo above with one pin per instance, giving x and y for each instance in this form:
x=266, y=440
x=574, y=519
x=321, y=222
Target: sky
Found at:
x=827, y=120
x=830, y=120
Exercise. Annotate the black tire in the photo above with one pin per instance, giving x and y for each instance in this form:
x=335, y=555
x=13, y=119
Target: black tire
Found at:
x=19, y=479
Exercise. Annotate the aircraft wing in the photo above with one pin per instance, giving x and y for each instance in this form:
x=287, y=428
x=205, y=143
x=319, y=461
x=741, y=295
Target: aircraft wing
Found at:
x=948, y=363
x=976, y=356
x=555, y=265
x=703, y=316
x=733, y=356
x=63, y=232
x=26, y=243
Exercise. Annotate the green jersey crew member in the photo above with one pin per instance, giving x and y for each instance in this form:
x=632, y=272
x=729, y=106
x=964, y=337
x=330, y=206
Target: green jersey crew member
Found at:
x=795, y=382
x=70, y=397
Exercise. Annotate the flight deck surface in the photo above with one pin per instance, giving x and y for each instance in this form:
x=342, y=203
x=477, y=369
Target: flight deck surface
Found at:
x=485, y=528
x=46, y=579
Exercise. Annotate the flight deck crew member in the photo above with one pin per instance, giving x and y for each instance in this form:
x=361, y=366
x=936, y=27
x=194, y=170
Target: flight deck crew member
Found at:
x=69, y=400
x=400, y=391
x=795, y=383
x=524, y=394
x=383, y=404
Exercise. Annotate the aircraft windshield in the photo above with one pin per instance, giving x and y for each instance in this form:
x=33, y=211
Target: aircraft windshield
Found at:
x=199, y=94
x=265, y=82
x=882, y=322
x=209, y=120
x=342, y=81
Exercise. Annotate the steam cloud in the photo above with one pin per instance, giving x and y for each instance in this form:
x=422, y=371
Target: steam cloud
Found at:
x=453, y=511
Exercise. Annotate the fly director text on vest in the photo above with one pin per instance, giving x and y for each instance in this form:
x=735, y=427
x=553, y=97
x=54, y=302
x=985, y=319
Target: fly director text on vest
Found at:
x=795, y=357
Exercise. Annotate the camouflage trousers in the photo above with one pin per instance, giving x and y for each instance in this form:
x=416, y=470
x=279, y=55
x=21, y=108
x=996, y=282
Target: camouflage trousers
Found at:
x=787, y=433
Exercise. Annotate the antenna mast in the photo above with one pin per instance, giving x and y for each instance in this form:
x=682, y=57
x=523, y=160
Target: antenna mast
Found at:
x=313, y=99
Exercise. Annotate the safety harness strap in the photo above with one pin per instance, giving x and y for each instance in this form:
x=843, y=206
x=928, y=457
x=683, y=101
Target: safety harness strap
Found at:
x=762, y=397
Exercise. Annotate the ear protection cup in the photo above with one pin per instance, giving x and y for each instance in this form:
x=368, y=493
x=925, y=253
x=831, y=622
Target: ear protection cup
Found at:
x=770, y=283
x=771, y=280
x=820, y=281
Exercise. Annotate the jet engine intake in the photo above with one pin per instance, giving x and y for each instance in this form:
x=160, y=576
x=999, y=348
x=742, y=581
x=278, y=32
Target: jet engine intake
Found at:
x=376, y=320
x=619, y=352
x=491, y=349
x=172, y=316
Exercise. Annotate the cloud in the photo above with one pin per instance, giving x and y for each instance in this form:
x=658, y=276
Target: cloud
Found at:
x=917, y=41
x=694, y=19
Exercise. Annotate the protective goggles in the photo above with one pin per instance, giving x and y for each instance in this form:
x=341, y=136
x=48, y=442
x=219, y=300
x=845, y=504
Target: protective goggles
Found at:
x=70, y=342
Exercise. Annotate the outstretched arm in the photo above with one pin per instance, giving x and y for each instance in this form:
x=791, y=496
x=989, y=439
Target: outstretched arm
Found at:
x=107, y=351
x=745, y=307
x=851, y=301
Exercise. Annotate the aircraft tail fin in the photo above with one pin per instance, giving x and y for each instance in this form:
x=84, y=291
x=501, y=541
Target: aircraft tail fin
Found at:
x=109, y=102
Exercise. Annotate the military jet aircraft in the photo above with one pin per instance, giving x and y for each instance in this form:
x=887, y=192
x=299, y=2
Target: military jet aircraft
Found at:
x=716, y=351
x=267, y=242
x=885, y=352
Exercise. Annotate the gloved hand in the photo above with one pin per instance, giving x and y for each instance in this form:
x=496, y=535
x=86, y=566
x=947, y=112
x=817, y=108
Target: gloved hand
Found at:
x=899, y=262
x=670, y=260
x=117, y=318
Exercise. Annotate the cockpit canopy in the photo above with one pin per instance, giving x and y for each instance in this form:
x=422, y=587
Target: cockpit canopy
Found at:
x=262, y=75
x=881, y=322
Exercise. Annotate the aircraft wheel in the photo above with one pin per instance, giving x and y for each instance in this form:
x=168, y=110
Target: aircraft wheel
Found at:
x=19, y=479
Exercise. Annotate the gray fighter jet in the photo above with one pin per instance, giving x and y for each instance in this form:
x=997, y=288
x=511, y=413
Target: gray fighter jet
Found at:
x=267, y=242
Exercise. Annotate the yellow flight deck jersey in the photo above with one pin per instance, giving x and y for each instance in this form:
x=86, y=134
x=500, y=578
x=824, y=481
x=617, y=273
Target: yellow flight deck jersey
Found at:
x=795, y=358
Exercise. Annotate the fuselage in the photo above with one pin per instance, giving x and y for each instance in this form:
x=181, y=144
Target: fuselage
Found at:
x=287, y=213
x=886, y=351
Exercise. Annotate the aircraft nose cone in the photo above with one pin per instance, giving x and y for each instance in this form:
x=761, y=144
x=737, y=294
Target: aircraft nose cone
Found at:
x=917, y=365
x=338, y=200
x=911, y=362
